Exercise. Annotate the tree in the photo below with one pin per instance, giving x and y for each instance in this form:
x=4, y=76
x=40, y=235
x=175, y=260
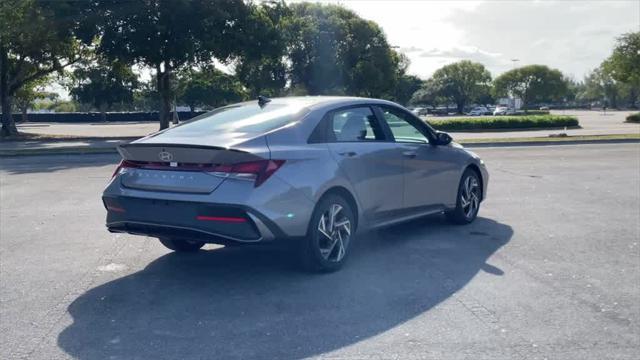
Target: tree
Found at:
x=406, y=86
x=24, y=97
x=34, y=43
x=164, y=35
x=102, y=83
x=624, y=63
x=145, y=97
x=462, y=82
x=532, y=84
x=261, y=67
x=334, y=51
x=600, y=86
x=428, y=94
x=208, y=87
x=624, y=66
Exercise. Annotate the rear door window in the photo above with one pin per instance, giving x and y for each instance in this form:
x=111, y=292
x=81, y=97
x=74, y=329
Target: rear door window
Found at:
x=354, y=124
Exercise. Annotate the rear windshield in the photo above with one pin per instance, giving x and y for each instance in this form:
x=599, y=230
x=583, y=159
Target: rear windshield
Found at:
x=241, y=118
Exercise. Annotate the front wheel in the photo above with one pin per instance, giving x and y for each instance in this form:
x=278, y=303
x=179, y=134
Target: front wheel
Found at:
x=468, y=199
x=330, y=232
x=181, y=245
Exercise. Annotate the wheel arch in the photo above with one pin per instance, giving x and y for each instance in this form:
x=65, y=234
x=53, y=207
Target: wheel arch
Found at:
x=347, y=196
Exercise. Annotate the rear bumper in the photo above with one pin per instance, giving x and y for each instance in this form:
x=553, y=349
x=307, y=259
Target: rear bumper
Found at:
x=211, y=223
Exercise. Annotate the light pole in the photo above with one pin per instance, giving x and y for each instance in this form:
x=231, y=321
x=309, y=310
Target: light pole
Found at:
x=514, y=61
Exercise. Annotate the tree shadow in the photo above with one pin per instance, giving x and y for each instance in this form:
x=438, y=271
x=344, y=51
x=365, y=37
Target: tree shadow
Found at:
x=249, y=302
x=52, y=163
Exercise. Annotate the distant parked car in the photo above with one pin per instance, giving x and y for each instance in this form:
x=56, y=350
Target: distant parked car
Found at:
x=420, y=111
x=479, y=110
x=544, y=108
x=503, y=110
x=439, y=111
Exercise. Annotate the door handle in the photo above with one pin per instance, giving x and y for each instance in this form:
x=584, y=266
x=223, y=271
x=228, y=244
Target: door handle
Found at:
x=348, y=153
x=409, y=154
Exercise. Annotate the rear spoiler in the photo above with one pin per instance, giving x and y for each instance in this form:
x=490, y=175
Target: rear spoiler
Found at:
x=184, y=153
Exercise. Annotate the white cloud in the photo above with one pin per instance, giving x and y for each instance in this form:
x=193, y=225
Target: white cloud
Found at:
x=465, y=53
x=573, y=36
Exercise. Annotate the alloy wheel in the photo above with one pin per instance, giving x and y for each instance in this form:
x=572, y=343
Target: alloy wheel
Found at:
x=335, y=232
x=470, y=196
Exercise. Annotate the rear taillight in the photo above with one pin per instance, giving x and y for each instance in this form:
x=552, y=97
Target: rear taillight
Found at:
x=123, y=165
x=257, y=171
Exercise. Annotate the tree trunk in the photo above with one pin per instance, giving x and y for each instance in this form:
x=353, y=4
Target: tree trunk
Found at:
x=460, y=107
x=25, y=117
x=191, y=111
x=613, y=101
x=633, y=98
x=8, y=125
x=103, y=112
x=164, y=89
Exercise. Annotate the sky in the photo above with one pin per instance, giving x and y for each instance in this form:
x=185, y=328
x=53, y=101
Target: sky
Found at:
x=572, y=36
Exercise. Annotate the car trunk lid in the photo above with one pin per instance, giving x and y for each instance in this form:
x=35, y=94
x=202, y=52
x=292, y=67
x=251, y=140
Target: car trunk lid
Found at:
x=183, y=168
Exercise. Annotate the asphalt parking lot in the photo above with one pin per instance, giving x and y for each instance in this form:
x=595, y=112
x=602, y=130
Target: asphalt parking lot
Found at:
x=551, y=269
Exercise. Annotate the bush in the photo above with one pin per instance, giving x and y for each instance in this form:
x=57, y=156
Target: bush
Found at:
x=505, y=122
x=634, y=118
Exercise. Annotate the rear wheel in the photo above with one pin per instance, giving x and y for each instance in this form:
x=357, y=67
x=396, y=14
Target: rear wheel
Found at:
x=330, y=232
x=468, y=200
x=180, y=245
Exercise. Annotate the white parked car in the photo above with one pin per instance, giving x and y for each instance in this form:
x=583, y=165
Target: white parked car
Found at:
x=479, y=110
x=420, y=111
x=503, y=110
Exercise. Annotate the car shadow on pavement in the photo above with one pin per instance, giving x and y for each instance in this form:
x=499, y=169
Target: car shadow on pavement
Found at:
x=250, y=303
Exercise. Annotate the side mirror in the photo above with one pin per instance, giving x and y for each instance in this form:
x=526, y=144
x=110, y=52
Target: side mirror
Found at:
x=443, y=138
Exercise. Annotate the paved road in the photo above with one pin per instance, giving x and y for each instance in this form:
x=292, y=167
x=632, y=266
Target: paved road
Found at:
x=551, y=269
x=593, y=123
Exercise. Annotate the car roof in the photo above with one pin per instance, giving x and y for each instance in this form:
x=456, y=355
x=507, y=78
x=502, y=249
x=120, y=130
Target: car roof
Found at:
x=315, y=102
x=317, y=105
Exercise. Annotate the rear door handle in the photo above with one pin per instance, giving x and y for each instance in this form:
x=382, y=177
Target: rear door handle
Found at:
x=409, y=154
x=348, y=153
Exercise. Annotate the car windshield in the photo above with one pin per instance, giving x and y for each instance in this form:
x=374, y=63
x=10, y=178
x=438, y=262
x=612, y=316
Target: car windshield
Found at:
x=240, y=118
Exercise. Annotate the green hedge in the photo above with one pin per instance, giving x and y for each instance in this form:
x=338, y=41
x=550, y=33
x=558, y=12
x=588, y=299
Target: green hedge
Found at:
x=505, y=122
x=634, y=118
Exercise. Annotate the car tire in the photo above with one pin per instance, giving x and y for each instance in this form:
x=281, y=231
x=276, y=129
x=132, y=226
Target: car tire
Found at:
x=329, y=236
x=467, y=200
x=181, y=245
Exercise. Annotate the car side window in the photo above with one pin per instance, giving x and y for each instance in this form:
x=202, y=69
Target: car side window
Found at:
x=354, y=124
x=401, y=126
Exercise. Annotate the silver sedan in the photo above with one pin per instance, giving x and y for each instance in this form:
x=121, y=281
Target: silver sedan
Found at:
x=307, y=172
